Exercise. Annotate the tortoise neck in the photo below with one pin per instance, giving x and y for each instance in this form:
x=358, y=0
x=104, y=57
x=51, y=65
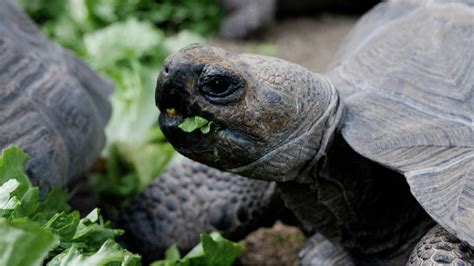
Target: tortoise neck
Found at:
x=305, y=146
x=324, y=130
x=366, y=207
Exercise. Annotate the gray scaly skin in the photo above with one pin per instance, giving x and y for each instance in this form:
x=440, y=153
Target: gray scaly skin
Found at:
x=280, y=122
x=191, y=198
x=440, y=247
x=51, y=104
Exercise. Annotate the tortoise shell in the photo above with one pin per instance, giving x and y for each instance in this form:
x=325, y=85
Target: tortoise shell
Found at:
x=413, y=63
x=51, y=104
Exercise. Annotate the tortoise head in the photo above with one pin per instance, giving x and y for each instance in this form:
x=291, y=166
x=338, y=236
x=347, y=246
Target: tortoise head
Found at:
x=266, y=112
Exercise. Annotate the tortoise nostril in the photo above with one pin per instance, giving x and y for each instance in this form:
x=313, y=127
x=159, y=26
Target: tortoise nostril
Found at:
x=166, y=70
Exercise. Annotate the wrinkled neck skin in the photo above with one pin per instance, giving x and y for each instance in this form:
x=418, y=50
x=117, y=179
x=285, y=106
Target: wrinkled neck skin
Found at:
x=293, y=159
x=360, y=204
x=335, y=191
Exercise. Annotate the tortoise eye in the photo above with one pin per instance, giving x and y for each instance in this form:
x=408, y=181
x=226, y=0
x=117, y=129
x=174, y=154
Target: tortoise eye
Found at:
x=217, y=86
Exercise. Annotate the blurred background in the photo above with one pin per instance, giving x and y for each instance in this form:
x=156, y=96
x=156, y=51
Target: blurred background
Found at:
x=127, y=41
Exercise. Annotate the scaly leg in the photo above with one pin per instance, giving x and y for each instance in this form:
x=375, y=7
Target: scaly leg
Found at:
x=439, y=246
x=190, y=199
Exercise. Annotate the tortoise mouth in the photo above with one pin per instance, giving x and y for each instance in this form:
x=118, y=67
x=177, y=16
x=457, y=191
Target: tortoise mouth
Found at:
x=182, y=140
x=176, y=103
x=223, y=148
x=185, y=142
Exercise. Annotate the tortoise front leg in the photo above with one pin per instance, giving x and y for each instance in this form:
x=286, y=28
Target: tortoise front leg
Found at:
x=439, y=246
x=190, y=199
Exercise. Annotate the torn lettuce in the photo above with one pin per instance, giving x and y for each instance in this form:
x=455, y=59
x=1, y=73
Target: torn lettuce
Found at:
x=24, y=242
x=193, y=123
x=35, y=232
x=213, y=250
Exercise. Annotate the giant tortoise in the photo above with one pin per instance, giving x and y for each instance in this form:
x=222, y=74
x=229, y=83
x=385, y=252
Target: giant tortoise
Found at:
x=376, y=156
x=51, y=104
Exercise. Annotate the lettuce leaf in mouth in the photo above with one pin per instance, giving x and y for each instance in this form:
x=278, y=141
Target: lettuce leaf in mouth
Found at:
x=193, y=123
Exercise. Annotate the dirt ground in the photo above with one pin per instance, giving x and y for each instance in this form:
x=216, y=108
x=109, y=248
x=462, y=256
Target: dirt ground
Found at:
x=311, y=42
x=278, y=245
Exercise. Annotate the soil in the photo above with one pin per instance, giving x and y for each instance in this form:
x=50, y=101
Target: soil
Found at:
x=310, y=42
x=278, y=245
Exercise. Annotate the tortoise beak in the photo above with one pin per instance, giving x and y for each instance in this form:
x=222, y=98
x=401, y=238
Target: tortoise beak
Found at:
x=174, y=87
x=175, y=96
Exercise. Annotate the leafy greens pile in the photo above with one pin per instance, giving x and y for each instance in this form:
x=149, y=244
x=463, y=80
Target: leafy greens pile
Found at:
x=47, y=232
x=127, y=41
x=34, y=231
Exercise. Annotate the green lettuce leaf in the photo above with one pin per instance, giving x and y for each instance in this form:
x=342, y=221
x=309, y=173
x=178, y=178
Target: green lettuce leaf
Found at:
x=109, y=253
x=212, y=250
x=193, y=123
x=8, y=202
x=24, y=242
x=172, y=253
x=64, y=225
x=55, y=202
x=28, y=203
x=121, y=41
x=92, y=231
x=12, y=166
x=24, y=194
